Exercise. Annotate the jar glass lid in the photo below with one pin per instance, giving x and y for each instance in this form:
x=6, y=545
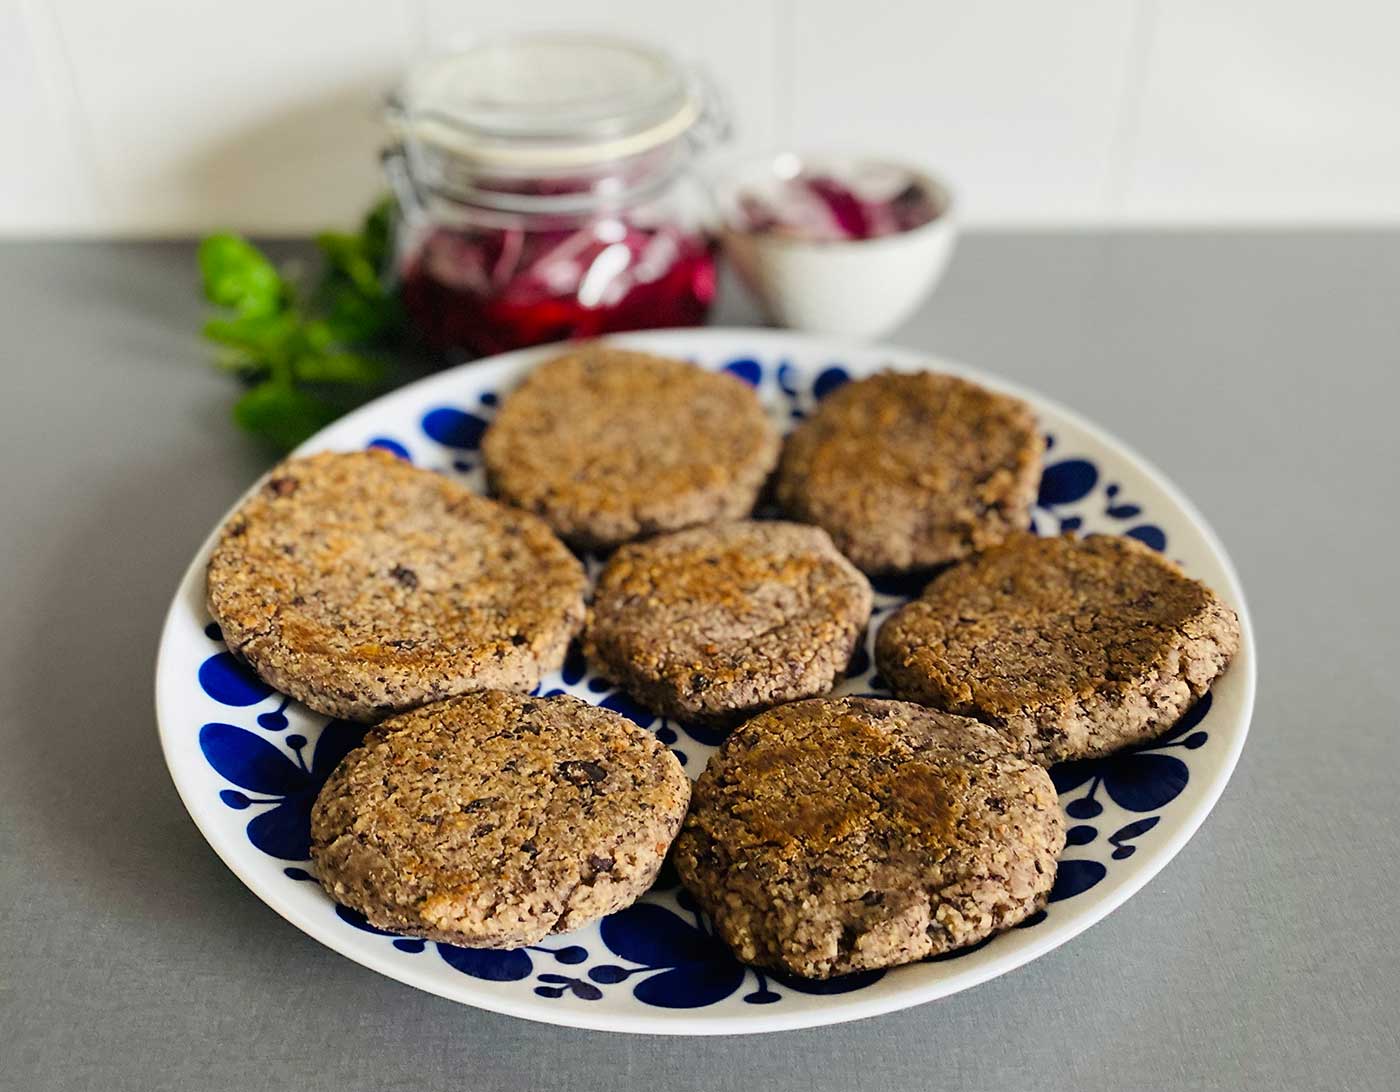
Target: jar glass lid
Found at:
x=546, y=101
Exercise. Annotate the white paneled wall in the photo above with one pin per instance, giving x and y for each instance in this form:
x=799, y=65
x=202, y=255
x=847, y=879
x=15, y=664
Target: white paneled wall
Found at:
x=47, y=179
x=1018, y=103
x=161, y=117
x=1259, y=108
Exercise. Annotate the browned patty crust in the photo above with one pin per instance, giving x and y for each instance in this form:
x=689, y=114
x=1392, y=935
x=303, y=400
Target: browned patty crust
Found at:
x=1071, y=647
x=909, y=471
x=608, y=445
x=847, y=834
x=711, y=624
x=494, y=819
x=363, y=586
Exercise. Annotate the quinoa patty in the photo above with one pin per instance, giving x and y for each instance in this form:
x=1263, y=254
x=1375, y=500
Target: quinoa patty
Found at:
x=848, y=834
x=363, y=586
x=712, y=624
x=608, y=445
x=1071, y=647
x=910, y=471
x=494, y=819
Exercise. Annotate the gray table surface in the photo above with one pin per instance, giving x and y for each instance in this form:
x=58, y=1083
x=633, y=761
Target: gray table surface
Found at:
x=1260, y=371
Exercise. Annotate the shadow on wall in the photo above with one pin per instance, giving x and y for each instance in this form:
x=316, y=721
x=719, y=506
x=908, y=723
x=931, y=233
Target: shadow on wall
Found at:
x=312, y=165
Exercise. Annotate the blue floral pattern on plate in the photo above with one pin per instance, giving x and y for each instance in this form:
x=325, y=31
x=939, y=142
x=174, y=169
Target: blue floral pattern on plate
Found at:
x=663, y=952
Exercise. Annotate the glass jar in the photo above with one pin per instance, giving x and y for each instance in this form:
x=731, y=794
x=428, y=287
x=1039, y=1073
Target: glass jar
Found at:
x=546, y=192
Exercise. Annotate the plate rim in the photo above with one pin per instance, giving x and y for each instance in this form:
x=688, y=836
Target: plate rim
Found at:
x=669, y=1022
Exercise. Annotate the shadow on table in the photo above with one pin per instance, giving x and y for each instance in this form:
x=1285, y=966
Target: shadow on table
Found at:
x=115, y=837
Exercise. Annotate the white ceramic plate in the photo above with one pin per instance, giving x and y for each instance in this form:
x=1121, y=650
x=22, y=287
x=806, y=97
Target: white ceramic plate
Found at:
x=248, y=763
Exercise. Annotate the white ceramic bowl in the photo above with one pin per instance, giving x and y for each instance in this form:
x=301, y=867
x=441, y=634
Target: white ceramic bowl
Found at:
x=854, y=288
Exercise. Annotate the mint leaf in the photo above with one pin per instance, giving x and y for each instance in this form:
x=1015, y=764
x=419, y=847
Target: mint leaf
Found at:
x=297, y=351
x=255, y=333
x=318, y=336
x=377, y=232
x=281, y=414
x=237, y=274
x=338, y=368
x=246, y=366
x=358, y=305
x=349, y=256
x=355, y=319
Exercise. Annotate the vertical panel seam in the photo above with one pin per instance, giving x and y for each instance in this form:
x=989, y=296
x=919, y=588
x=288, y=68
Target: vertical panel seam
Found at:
x=74, y=111
x=1127, y=130
x=784, y=33
x=418, y=30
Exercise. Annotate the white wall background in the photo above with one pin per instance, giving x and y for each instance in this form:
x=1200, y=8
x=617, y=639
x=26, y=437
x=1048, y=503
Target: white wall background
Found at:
x=172, y=116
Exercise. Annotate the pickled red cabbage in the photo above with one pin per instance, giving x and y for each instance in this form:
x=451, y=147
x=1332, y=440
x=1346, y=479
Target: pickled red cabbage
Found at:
x=820, y=207
x=488, y=290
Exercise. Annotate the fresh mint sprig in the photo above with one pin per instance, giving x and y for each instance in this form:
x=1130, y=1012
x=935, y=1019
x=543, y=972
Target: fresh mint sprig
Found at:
x=305, y=357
